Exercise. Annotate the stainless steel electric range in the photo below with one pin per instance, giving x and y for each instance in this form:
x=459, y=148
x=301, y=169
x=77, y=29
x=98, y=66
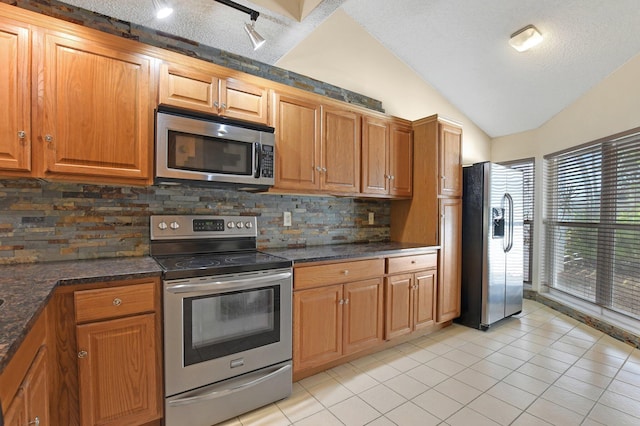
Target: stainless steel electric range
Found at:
x=227, y=318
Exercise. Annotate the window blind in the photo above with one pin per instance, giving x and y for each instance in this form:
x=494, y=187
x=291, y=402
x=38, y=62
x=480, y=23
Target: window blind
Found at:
x=527, y=167
x=592, y=223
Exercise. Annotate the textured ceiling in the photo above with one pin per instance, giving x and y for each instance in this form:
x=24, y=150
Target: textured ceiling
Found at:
x=457, y=46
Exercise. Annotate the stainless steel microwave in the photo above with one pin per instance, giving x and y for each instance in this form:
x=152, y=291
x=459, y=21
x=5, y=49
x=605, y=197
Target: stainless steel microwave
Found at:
x=199, y=149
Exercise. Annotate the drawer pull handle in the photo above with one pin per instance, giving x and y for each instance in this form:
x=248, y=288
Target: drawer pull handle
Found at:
x=117, y=301
x=82, y=354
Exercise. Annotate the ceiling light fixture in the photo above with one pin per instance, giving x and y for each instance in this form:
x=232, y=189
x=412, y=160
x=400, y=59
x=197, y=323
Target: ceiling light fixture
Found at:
x=256, y=39
x=162, y=8
x=525, y=38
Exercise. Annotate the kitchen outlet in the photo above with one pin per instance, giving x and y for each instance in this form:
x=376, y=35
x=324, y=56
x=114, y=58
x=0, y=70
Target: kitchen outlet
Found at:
x=372, y=218
x=286, y=218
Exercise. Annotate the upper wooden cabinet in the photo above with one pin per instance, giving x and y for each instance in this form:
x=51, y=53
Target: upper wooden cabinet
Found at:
x=88, y=115
x=15, y=97
x=200, y=89
x=401, y=161
x=387, y=157
x=450, y=160
x=340, y=151
x=97, y=116
x=318, y=147
x=297, y=123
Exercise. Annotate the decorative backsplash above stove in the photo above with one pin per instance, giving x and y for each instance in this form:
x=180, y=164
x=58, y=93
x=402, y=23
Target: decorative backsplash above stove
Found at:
x=46, y=221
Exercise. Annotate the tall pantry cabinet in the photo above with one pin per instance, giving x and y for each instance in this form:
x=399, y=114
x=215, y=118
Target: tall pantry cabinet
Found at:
x=433, y=216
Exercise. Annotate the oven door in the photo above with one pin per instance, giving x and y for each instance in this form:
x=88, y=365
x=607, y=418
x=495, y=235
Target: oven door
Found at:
x=224, y=326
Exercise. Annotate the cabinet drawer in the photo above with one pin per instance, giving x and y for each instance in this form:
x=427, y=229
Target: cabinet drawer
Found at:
x=336, y=273
x=114, y=302
x=412, y=263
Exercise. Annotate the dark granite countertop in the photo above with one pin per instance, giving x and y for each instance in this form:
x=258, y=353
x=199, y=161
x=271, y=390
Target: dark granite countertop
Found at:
x=26, y=289
x=348, y=251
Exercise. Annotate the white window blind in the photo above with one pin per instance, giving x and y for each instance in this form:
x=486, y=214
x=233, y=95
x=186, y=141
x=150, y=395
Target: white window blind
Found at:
x=592, y=222
x=527, y=167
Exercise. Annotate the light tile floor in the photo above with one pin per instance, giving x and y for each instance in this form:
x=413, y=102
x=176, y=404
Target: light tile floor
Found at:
x=538, y=368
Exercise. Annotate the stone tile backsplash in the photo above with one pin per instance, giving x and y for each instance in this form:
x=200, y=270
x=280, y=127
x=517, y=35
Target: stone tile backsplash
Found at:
x=44, y=221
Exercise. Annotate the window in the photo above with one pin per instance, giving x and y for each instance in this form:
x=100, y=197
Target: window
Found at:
x=592, y=224
x=527, y=167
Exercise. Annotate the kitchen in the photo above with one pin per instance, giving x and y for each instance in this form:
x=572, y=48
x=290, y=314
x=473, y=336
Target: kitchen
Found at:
x=75, y=221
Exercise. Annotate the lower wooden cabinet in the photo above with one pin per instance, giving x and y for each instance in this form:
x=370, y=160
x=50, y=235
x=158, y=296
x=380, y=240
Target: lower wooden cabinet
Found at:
x=117, y=371
x=337, y=320
x=450, y=272
x=409, y=302
x=30, y=406
x=109, y=353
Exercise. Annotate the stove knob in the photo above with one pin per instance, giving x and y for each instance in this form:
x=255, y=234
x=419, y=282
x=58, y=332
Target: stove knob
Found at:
x=231, y=225
x=248, y=225
x=238, y=224
x=162, y=225
x=174, y=225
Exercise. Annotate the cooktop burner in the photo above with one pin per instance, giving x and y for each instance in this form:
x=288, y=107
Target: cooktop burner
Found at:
x=196, y=262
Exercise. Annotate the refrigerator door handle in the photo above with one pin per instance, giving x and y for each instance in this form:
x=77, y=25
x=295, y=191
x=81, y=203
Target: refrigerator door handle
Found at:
x=510, y=231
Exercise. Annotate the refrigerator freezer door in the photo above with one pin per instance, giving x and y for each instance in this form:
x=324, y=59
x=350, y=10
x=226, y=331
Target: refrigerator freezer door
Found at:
x=514, y=256
x=494, y=279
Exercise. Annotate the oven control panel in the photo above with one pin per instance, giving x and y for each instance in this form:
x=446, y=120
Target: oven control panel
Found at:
x=166, y=227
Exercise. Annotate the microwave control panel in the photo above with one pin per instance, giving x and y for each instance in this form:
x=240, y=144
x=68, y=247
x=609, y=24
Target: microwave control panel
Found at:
x=267, y=161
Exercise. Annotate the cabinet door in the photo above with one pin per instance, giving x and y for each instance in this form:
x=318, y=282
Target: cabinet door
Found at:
x=118, y=375
x=97, y=118
x=243, y=101
x=375, y=156
x=15, y=97
x=401, y=161
x=363, y=314
x=450, y=144
x=317, y=326
x=399, y=309
x=16, y=414
x=187, y=87
x=340, y=151
x=423, y=298
x=449, y=274
x=37, y=390
x=297, y=123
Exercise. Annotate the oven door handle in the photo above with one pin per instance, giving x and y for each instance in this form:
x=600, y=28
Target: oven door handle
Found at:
x=234, y=388
x=224, y=284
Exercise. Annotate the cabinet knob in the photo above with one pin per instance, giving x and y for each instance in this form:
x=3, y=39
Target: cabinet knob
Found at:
x=224, y=106
x=392, y=177
x=346, y=301
x=341, y=302
x=413, y=262
x=443, y=177
x=216, y=104
x=345, y=272
x=318, y=168
x=35, y=421
x=324, y=170
x=22, y=134
x=117, y=301
x=48, y=138
x=82, y=354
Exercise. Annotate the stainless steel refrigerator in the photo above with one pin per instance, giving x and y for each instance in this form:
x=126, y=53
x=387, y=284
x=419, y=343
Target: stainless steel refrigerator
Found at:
x=492, y=244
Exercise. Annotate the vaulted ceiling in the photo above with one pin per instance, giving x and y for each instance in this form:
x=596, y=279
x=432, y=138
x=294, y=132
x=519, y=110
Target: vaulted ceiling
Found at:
x=460, y=47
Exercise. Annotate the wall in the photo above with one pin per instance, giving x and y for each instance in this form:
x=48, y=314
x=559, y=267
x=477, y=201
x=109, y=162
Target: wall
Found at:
x=47, y=221
x=341, y=52
x=610, y=107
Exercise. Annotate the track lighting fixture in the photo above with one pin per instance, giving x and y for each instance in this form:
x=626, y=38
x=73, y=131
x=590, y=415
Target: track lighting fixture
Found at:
x=161, y=8
x=256, y=39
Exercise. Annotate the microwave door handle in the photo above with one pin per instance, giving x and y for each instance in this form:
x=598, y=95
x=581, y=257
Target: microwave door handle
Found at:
x=258, y=155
